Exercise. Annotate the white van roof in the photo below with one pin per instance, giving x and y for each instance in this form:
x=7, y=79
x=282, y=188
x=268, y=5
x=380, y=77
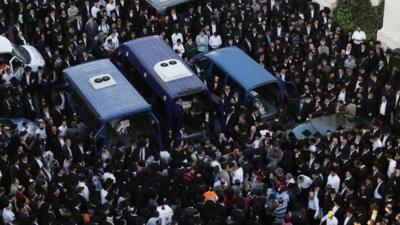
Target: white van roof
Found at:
x=5, y=45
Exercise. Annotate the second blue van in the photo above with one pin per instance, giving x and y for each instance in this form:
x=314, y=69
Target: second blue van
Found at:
x=180, y=100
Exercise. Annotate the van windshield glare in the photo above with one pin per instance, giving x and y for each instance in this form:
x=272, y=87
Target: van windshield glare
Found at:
x=21, y=53
x=129, y=128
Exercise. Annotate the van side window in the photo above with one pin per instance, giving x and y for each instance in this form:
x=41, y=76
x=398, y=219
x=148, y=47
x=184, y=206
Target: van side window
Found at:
x=156, y=101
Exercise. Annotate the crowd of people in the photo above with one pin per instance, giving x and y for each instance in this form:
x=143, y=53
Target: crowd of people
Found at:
x=254, y=173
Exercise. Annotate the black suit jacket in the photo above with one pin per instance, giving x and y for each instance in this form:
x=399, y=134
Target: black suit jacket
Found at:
x=350, y=221
x=381, y=190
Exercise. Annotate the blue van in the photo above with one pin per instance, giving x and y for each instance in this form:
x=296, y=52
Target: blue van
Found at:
x=179, y=98
x=109, y=105
x=255, y=85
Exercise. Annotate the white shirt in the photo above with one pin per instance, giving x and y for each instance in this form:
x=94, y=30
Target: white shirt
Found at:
x=103, y=195
x=108, y=46
x=215, y=41
x=174, y=16
x=105, y=28
x=382, y=108
x=175, y=37
x=377, y=144
x=334, y=182
x=85, y=192
x=391, y=167
x=346, y=220
x=110, y=7
x=306, y=183
x=359, y=37
x=331, y=221
x=41, y=132
x=114, y=39
x=376, y=193
x=342, y=96
x=313, y=204
x=8, y=216
x=63, y=130
x=238, y=175
x=384, y=139
x=94, y=11
x=179, y=48
x=39, y=162
x=213, y=28
x=166, y=213
x=62, y=104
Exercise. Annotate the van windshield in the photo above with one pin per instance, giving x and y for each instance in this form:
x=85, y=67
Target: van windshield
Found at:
x=21, y=53
x=267, y=98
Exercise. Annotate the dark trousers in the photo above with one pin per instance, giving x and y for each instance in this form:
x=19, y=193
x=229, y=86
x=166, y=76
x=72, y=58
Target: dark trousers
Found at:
x=310, y=214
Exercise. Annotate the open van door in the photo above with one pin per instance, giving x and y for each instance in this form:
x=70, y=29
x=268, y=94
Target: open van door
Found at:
x=155, y=133
x=100, y=138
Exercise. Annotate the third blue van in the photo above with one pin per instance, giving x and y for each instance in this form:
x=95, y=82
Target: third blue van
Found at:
x=255, y=85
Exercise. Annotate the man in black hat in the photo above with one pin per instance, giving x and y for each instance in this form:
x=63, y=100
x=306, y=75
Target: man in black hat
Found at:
x=28, y=79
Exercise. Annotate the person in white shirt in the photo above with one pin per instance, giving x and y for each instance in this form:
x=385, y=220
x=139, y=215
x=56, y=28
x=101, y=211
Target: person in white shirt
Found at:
x=313, y=206
x=8, y=215
x=215, y=41
x=378, y=192
x=202, y=42
x=392, y=165
x=237, y=173
x=114, y=38
x=85, y=190
x=95, y=9
x=111, y=42
x=359, y=36
x=342, y=95
x=376, y=143
x=349, y=217
x=41, y=131
x=108, y=45
x=330, y=219
x=179, y=48
x=103, y=195
x=63, y=128
x=304, y=181
x=333, y=181
x=176, y=36
x=110, y=7
x=104, y=27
